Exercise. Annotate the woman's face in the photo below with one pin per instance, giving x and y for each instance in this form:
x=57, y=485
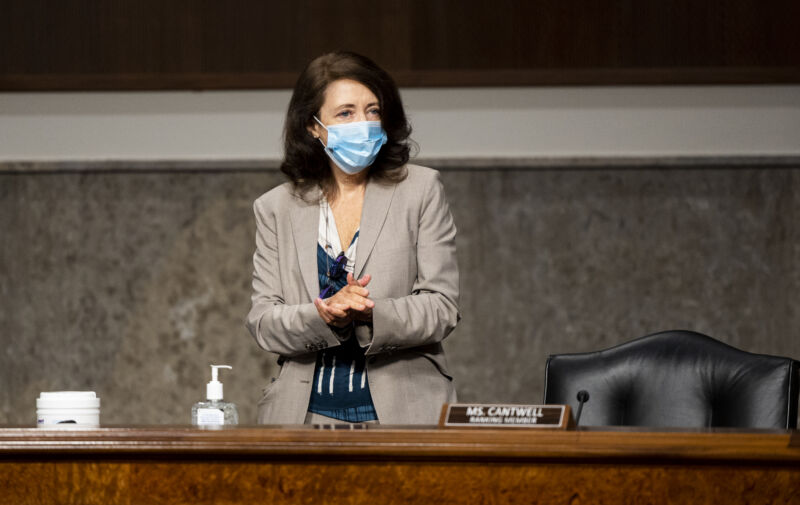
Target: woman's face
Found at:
x=346, y=101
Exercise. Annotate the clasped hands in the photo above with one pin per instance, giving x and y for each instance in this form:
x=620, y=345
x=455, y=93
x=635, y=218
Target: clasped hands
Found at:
x=349, y=304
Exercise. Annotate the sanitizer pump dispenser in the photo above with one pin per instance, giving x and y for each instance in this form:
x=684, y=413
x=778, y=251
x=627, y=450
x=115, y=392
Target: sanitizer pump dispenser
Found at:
x=214, y=411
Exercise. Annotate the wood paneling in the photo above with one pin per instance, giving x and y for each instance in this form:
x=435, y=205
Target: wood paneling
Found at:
x=386, y=465
x=207, y=481
x=398, y=442
x=204, y=44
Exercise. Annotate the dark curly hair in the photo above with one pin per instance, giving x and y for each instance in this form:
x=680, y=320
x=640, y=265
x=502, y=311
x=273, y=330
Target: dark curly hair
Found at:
x=305, y=161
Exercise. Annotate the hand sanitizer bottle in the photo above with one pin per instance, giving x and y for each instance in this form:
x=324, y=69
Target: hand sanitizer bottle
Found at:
x=213, y=411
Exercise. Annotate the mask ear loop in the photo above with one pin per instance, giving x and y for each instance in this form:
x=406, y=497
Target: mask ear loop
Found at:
x=322, y=125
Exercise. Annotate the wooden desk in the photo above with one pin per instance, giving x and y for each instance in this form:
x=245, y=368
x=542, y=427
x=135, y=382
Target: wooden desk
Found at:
x=383, y=465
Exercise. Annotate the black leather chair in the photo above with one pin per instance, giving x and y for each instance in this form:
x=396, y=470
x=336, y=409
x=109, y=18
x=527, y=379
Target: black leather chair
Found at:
x=676, y=379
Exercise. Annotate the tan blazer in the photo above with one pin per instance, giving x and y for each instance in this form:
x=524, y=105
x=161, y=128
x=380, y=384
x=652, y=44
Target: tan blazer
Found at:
x=407, y=243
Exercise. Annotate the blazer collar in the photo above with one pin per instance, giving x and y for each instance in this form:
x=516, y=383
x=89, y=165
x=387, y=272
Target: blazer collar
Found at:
x=377, y=199
x=305, y=228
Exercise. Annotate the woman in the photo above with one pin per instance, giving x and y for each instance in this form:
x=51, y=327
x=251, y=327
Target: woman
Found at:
x=356, y=282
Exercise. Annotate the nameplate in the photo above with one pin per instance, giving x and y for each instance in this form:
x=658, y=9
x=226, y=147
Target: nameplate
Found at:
x=479, y=415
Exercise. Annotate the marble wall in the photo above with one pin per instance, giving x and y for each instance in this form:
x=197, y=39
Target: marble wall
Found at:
x=131, y=282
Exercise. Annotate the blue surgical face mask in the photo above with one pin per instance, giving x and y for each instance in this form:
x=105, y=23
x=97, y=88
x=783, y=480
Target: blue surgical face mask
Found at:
x=354, y=146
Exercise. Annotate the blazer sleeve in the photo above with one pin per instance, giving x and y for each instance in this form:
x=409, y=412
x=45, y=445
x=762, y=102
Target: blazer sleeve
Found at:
x=430, y=312
x=286, y=329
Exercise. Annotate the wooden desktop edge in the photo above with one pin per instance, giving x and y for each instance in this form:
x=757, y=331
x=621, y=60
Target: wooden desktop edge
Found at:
x=779, y=447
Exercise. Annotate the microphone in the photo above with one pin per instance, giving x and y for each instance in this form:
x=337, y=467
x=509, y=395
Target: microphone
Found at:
x=583, y=397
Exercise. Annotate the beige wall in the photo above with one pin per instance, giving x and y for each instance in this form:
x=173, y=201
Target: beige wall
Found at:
x=462, y=122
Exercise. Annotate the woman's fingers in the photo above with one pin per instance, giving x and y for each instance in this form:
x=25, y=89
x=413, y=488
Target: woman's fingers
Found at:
x=338, y=310
x=322, y=310
x=332, y=308
x=355, y=289
x=357, y=302
x=334, y=314
x=362, y=282
x=350, y=301
x=354, y=297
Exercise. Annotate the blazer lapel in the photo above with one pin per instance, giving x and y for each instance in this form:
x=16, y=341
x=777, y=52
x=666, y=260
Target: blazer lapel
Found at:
x=305, y=229
x=377, y=199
